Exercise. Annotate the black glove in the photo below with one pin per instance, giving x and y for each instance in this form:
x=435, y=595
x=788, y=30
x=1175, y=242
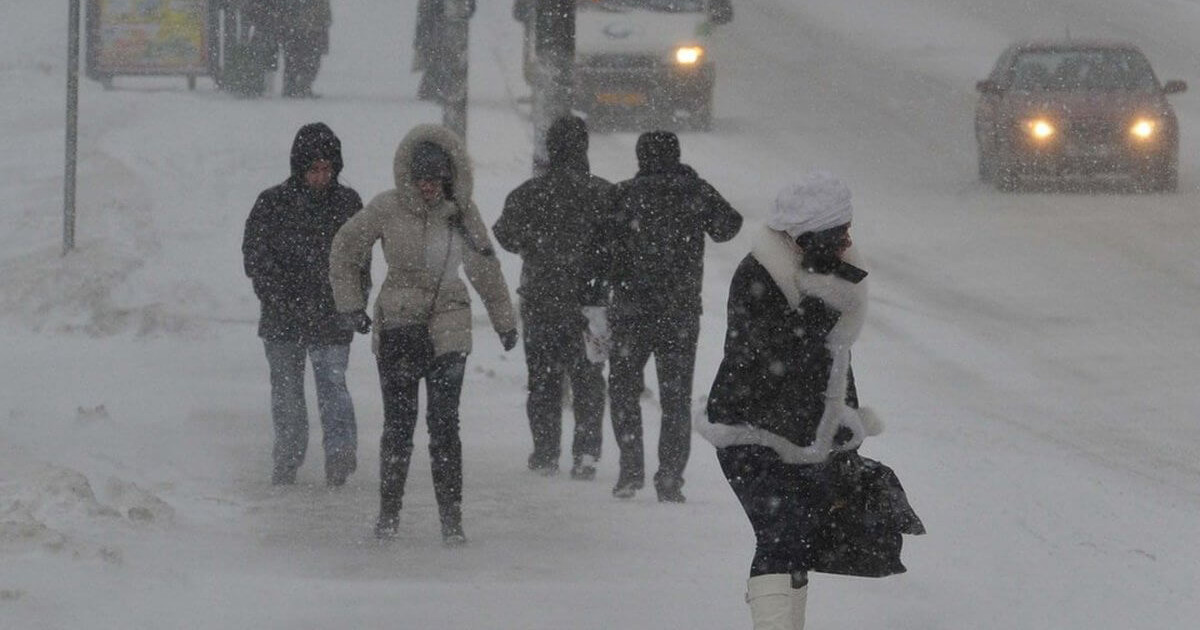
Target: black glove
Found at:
x=508, y=339
x=358, y=321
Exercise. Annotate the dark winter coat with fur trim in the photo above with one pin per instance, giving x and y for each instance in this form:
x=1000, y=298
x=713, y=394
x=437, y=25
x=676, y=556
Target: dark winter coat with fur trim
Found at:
x=785, y=381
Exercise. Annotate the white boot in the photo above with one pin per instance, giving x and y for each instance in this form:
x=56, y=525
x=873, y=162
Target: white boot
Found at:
x=770, y=599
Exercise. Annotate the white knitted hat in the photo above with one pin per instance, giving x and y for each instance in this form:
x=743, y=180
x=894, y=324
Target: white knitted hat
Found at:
x=819, y=201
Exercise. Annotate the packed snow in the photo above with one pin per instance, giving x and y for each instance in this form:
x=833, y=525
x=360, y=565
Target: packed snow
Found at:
x=1034, y=355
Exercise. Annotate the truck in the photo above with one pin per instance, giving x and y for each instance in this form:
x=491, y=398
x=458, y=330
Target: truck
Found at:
x=645, y=62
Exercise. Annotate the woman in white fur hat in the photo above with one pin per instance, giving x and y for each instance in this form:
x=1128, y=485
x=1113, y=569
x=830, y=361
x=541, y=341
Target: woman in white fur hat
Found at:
x=783, y=408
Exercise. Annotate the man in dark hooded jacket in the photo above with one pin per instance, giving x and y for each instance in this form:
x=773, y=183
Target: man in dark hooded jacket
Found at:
x=655, y=242
x=286, y=255
x=551, y=221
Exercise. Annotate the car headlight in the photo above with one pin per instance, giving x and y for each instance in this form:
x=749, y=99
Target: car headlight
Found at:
x=688, y=55
x=1040, y=129
x=1144, y=129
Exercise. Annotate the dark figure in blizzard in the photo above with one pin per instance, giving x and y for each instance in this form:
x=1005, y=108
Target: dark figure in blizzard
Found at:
x=432, y=53
x=783, y=410
x=286, y=253
x=551, y=221
x=301, y=27
x=429, y=227
x=655, y=240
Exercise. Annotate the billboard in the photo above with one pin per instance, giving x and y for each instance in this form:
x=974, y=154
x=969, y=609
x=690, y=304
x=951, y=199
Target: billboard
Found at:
x=157, y=37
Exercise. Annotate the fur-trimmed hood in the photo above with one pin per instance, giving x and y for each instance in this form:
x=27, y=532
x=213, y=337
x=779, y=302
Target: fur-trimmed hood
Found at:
x=464, y=176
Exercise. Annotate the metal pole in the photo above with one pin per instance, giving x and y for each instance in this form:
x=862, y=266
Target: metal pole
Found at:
x=554, y=45
x=72, y=128
x=457, y=42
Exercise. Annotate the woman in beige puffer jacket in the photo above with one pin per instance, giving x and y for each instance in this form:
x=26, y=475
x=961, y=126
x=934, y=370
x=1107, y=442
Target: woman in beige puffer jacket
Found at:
x=429, y=228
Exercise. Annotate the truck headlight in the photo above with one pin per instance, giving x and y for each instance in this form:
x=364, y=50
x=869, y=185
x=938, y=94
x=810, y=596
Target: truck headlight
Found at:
x=1144, y=129
x=1040, y=129
x=688, y=55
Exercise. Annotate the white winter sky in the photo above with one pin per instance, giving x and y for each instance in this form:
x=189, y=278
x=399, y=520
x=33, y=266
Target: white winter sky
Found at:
x=1034, y=355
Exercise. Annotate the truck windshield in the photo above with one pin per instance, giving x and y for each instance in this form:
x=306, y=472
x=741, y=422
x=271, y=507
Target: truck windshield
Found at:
x=662, y=6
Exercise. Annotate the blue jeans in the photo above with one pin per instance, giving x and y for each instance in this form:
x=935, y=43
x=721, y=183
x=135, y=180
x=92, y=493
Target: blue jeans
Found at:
x=289, y=411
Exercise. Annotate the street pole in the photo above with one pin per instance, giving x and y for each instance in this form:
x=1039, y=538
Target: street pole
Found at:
x=72, y=144
x=554, y=48
x=457, y=42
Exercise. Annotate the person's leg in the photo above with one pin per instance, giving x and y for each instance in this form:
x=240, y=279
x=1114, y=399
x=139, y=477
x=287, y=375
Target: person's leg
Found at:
x=400, y=367
x=336, y=410
x=301, y=62
x=675, y=360
x=443, y=386
x=543, y=405
x=781, y=502
x=587, y=383
x=289, y=414
x=627, y=365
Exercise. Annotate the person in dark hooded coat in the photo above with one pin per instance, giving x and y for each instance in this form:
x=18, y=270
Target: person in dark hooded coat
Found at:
x=285, y=251
x=551, y=221
x=655, y=245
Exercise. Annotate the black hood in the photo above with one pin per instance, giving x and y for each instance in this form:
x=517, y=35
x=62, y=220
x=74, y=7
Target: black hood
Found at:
x=567, y=143
x=657, y=152
x=316, y=141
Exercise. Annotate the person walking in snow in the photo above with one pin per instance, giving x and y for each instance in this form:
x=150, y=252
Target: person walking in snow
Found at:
x=301, y=28
x=305, y=39
x=783, y=410
x=550, y=221
x=285, y=250
x=429, y=227
x=655, y=244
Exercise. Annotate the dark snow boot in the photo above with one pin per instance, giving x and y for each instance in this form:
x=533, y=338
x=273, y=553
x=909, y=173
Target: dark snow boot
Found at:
x=669, y=490
x=584, y=468
x=387, y=526
x=452, y=531
x=543, y=465
x=627, y=486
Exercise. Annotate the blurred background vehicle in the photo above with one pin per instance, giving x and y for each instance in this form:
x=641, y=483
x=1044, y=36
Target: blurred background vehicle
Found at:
x=1077, y=109
x=645, y=62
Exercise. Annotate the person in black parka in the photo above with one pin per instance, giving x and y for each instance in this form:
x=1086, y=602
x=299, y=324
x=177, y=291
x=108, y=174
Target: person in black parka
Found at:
x=551, y=221
x=285, y=250
x=783, y=410
x=655, y=244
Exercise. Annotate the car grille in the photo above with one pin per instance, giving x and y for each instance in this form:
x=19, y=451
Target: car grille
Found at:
x=620, y=62
x=1089, y=131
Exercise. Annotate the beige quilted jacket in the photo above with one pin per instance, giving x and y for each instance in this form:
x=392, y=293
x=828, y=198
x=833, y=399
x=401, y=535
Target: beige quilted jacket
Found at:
x=424, y=249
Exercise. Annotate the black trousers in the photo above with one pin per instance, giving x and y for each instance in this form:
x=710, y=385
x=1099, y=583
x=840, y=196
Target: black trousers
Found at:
x=405, y=357
x=671, y=339
x=301, y=62
x=554, y=350
x=783, y=502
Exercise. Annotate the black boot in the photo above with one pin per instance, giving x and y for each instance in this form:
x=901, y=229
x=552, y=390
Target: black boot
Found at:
x=452, y=531
x=388, y=524
x=627, y=486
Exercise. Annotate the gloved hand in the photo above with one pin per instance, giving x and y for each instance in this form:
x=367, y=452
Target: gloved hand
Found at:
x=358, y=321
x=508, y=339
x=597, y=339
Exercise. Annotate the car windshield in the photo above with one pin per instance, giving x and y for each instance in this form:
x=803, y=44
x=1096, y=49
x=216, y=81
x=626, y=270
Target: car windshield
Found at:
x=664, y=6
x=1082, y=70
